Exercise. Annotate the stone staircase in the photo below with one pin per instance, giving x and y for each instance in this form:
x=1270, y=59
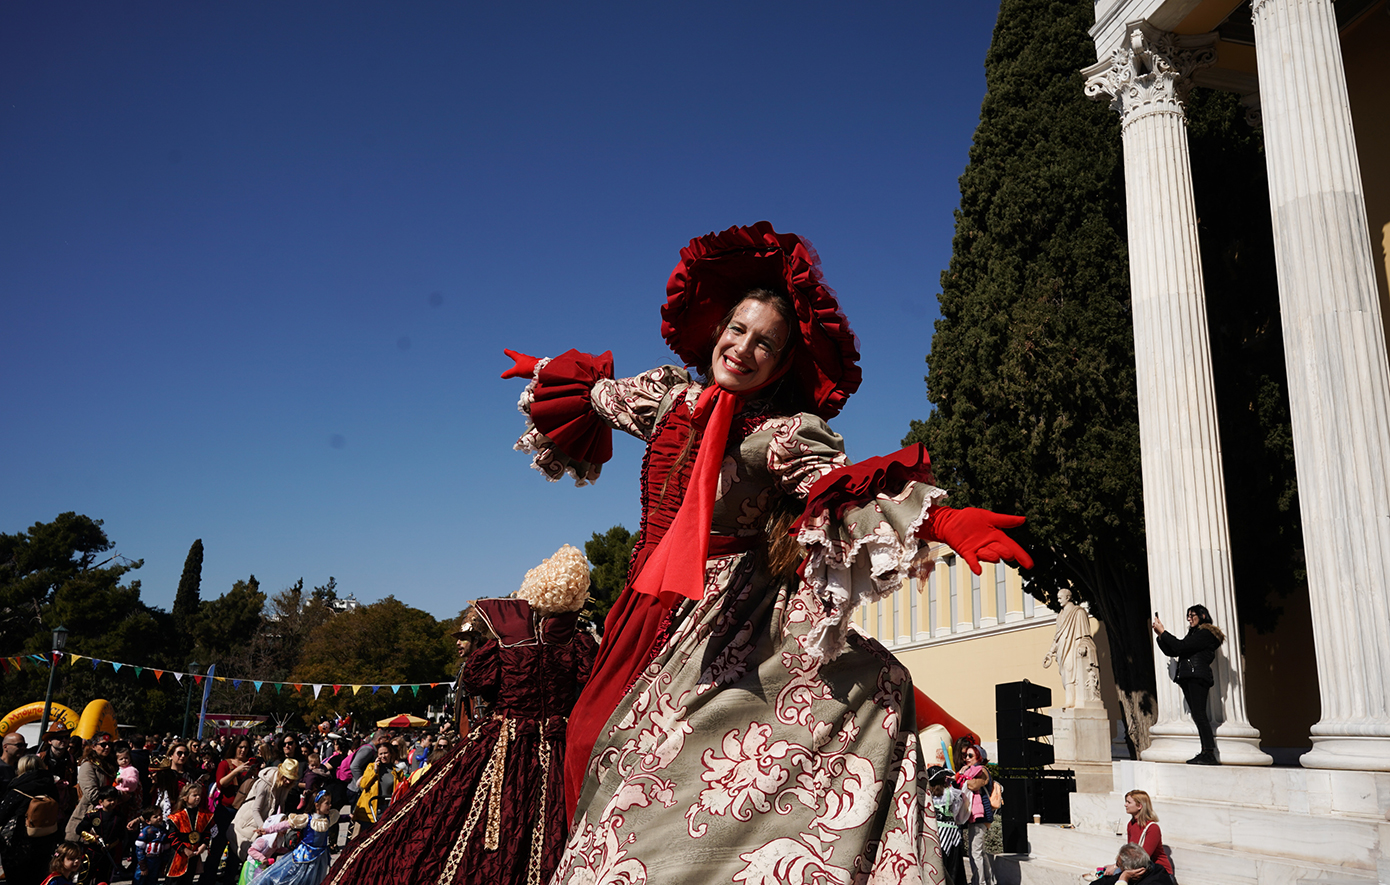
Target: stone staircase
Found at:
x=1226, y=825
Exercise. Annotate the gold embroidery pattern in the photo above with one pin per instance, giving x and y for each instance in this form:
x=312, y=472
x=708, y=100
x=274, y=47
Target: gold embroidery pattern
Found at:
x=491, y=783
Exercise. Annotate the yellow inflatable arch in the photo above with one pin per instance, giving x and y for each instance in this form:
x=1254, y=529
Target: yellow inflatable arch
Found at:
x=58, y=714
x=98, y=717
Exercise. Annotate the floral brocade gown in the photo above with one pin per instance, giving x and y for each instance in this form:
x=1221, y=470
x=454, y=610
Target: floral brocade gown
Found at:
x=750, y=736
x=493, y=810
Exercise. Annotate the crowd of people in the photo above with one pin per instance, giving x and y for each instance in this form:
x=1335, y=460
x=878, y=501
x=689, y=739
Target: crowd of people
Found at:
x=161, y=807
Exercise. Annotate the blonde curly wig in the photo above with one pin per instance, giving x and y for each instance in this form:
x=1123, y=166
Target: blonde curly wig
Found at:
x=560, y=584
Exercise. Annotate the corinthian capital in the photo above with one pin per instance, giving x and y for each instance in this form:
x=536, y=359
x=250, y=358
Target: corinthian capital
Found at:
x=1152, y=74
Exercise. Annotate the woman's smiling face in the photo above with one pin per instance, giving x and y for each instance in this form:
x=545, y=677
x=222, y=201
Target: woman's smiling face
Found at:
x=746, y=354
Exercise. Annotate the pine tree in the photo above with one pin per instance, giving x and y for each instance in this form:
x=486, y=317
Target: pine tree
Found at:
x=609, y=554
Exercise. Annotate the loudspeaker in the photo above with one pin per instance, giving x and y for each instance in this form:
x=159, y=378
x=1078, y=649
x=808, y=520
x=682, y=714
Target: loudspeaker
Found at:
x=1020, y=724
x=1021, y=696
x=1016, y=753
x=1015, y=721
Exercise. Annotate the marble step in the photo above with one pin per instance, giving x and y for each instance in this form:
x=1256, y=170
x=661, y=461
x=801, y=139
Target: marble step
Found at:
x=1055, y=850
x=1022, y=869
x=1324, y=839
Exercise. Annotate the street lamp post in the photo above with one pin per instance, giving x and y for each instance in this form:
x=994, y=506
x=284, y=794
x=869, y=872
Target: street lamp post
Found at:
x=188, y=698
x=60, y=639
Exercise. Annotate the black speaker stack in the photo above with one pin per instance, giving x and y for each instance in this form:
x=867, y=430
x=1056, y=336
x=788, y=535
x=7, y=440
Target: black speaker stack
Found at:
x=1029, y=788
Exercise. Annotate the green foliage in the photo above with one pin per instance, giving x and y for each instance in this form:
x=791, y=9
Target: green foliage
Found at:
x=36, y=563
x=609, y=554
x=51, y=576
x=229, y=621
x=1032, y=363
x=385, y=642
x=187, y=600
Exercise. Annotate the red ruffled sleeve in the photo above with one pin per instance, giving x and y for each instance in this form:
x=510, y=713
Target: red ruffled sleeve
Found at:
x=854, y=485
x=574, y=404
x=564, y=411
x=859, y=529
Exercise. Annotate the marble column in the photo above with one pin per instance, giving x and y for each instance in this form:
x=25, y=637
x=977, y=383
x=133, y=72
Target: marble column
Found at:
x=1339, y=378
x=1184, y=493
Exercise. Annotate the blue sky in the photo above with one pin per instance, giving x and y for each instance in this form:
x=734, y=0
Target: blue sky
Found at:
x=258, y=261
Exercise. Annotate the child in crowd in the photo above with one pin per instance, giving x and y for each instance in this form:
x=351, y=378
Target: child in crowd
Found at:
x=101, y=831
x=66, y=863
x=309, y=862
x=127, y=782
x=151, y=841
x=952, y=814
x=192, y=829
x=274, y=840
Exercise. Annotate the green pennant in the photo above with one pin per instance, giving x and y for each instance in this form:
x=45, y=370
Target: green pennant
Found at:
x=278, y=686
x=415, y=690
x=138, y=671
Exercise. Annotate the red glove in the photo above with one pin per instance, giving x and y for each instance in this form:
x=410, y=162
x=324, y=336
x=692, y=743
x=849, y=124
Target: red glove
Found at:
x=525, y=365
x=975, y=534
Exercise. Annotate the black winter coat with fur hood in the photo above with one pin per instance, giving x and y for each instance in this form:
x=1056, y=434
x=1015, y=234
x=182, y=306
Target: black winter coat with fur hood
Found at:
x=1195, y=652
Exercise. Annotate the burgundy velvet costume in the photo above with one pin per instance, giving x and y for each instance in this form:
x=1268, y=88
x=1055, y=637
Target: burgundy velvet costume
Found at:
x=486, y=794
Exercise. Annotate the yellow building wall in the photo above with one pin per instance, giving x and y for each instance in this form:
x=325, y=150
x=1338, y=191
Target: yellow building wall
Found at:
x=959, y=665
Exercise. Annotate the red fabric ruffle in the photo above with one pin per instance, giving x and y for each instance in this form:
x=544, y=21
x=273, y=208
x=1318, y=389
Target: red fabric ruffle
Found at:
x=563, y=411
x=857, y=484
x=714, y=273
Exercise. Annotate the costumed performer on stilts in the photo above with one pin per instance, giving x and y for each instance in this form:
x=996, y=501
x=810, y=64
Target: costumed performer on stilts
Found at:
x=493, y=811
x=735, y=729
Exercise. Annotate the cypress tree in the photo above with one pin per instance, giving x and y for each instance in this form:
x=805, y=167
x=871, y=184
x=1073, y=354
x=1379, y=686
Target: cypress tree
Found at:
x=187, y=601
x=1032, y=363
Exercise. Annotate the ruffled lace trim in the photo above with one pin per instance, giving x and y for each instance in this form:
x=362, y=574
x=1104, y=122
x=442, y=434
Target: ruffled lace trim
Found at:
x=547, y=459
x=869, y=569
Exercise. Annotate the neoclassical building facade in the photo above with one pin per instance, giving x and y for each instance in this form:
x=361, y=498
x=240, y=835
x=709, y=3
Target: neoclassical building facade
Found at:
x=1297, y=65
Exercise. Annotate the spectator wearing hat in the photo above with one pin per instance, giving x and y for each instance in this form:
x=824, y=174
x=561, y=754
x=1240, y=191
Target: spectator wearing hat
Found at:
x=952, y=809
x=56, y=758
x=269, y=794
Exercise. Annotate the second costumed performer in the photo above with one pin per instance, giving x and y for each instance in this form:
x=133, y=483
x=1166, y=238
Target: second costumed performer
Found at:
x=493, y=810
x=735, y=729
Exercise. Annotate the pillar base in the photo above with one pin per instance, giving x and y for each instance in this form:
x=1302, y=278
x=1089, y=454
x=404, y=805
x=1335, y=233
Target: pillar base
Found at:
x=1346, y=753
x=1231, y=750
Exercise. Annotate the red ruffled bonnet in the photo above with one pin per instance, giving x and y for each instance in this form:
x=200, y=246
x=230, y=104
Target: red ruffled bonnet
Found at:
x=717, y=269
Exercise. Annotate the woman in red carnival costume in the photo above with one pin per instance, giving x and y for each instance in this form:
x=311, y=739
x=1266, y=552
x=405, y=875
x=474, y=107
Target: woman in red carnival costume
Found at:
x=735, y=729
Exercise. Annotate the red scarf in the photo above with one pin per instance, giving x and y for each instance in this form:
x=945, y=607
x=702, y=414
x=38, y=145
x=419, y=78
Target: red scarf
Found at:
x=677, y=565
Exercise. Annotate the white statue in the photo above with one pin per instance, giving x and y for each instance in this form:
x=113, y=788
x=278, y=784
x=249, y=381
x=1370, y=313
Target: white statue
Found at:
x=1075, y=653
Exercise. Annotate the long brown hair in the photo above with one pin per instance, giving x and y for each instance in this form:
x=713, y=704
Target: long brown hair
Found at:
x=781, y=552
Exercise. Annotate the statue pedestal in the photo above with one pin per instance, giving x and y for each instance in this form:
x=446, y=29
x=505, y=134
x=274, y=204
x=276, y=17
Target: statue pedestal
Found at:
x=1081, y=742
